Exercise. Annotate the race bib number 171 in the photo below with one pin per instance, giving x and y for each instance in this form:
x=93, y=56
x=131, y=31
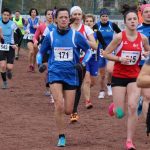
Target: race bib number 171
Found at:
x=63, y=53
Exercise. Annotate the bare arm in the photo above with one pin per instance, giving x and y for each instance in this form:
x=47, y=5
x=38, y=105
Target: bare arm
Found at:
x=92, y=42
x=111, y=47
x=145, y=45
x=143, y=79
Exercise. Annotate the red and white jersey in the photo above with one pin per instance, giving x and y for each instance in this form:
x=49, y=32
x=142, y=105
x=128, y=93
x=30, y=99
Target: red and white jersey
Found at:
x=132, y=50
x=85, y=31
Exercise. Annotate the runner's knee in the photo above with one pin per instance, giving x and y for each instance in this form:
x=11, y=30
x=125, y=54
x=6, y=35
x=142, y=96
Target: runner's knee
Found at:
x=132, y=108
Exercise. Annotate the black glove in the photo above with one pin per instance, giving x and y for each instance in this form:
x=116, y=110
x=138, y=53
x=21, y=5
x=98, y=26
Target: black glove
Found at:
x=80, y=67
x=2, y=40
x=42, y=68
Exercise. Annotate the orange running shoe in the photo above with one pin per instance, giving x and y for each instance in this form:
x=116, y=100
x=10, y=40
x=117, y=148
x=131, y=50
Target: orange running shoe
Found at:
x=74, y=117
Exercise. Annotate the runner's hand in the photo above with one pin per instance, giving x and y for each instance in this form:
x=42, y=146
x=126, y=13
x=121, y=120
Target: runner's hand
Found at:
x=42, y=68
x=125, y=60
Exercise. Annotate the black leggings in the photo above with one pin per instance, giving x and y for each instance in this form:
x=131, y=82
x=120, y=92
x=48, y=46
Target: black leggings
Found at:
x=81, y=75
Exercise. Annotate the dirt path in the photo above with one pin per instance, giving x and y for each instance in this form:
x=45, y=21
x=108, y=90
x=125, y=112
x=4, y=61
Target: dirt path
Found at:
x=27, y=121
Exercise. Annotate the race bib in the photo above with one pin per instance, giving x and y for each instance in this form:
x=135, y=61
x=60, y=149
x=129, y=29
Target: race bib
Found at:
x=63, y=53
x=30, y=36
x=134, y=55
x=4, y=47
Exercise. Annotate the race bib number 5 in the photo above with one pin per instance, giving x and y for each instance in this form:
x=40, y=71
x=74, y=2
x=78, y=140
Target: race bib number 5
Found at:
x=63, y=53
x=134, y=55
x=4, y=47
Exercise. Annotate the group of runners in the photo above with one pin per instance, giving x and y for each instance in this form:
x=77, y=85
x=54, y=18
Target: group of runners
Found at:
x=72, y=50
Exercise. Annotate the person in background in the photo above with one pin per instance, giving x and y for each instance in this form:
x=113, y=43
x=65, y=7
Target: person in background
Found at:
x=33, y=23
x=20, y=22
x=107, y=29
x=77, y=15
x=7, y=46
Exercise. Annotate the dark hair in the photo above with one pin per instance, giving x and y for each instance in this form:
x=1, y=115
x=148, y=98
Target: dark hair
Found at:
x=104, y=11
x=125, y=9
x=35, y=10
x=47, y=11
x=61, y=9
x=17, y=11
x=6, y=10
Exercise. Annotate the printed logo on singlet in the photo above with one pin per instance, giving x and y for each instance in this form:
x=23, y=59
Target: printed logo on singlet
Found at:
x=63, y=53
x=136, y=45
x=108, y=30
x=125, y=43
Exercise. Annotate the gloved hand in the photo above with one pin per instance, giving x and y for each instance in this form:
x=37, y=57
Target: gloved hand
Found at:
x=80, y=67
x=42, y=68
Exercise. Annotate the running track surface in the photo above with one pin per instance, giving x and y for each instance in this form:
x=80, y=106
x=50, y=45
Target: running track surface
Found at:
x=27, y=121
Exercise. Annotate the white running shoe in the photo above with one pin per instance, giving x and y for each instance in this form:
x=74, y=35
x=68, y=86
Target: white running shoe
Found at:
x=109, y=92
x=51, y=99
x=47, y=93
x=101, y=95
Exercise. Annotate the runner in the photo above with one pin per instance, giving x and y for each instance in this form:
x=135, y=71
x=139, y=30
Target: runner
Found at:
x=38, y=35
x=126, y=70
x=63, y=61
x=108, y=29
x=76, y=15
x=93, y=65
x=33, y=23
x=144, y=28
x=20, y=22
x=7, y=46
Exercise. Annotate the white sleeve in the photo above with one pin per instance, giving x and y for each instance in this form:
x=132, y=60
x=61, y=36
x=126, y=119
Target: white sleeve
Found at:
x=46, y=31
x=14, y=26
x=88, y=30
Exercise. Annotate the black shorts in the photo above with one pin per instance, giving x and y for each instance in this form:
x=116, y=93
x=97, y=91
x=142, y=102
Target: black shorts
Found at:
x=121, y=81
x=17, y=39
x=29, y=41
x=66, y=86
x=8, y=55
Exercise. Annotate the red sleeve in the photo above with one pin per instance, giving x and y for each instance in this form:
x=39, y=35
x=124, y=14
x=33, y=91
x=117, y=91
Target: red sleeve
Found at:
x=37, y=34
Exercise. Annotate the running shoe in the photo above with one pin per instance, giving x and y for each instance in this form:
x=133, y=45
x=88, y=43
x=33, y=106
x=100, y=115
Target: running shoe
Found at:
x=74, y=117
x=51, y=99
x=110, y=109
x=29, y=68
x=47, y=93
x=16, y=56
x=140, y=105
x=130, y=146
x=61, y=141
x=32, y=69
x=88, y=104
x=101, y=95
x=109, y=90
x=5, y=85
x=9, y=74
